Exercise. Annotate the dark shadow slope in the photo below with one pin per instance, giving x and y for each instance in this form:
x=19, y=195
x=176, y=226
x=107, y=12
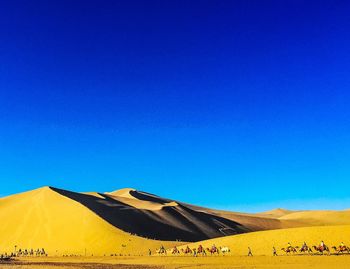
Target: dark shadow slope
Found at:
x=170, y=223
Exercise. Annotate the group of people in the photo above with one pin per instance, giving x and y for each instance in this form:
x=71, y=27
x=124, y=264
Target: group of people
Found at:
x=23, y=253
x=200, y=251
x=321, y=248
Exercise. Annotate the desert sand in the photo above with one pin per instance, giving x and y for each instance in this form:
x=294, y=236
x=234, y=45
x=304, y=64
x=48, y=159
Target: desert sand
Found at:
x=228, y=262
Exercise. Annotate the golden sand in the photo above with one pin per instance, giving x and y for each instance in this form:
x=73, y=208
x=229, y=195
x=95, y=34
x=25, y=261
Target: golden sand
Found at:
x=228, y=262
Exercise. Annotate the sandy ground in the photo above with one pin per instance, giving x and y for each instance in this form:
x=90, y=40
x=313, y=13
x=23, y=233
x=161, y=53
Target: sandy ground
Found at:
x=228, y=262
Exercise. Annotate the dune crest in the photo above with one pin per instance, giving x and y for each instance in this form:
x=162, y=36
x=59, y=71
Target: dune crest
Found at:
x=126, y=192
x=277, y=213
x=129, y=197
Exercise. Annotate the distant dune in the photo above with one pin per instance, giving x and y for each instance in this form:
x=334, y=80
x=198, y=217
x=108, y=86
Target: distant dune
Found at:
x=319, y=217
x=277, y=213
x=128, y=221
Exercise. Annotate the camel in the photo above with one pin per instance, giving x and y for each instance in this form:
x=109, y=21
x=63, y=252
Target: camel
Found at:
x=187, y=250
x=201, y=250
x=225, y=250
x=213, y=250
x=341, y=249
x=175, y=251
x=305, y=249
x=161, y=251
x=290, y=250
x=322, y=249
x=5, y=258
x=39, y=252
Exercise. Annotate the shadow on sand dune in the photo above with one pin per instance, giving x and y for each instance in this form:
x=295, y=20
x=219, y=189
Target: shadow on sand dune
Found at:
x=170, y=223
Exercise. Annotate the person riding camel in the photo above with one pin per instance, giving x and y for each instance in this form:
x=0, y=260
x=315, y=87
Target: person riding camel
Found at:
x=289, y=245
x=200, y=248
x=304, y=246
x=342, y=244
x=322, y=244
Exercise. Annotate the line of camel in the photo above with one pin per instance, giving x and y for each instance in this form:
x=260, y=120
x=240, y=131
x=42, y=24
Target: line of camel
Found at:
x=22, y=253
x=322, y=248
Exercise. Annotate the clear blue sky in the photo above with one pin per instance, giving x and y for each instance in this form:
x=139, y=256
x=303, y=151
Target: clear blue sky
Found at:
x=233, y=104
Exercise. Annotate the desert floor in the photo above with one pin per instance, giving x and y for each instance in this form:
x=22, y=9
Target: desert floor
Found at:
x=232, y=262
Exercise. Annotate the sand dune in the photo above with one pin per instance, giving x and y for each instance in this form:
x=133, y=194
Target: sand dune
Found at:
x=253, y=222
x=153, y=217
x=44, y=218
x=126, y=220
x=319, y=217
x=277, y=213
x=129, y=197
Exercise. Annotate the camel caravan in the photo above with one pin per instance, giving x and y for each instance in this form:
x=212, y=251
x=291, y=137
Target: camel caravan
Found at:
x=23, y=253
x=200, y=251
x=321, y=249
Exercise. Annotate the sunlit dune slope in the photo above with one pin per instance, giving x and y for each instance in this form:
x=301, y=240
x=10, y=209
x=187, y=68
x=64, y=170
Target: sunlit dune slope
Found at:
x=262, y=242
x=44, y=218
x=319, y=217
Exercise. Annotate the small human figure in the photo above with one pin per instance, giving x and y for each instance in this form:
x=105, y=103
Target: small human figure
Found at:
x=304, y=247
x=149, y=252
x=322, y=244
x=250, y=254
x=274, y=251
